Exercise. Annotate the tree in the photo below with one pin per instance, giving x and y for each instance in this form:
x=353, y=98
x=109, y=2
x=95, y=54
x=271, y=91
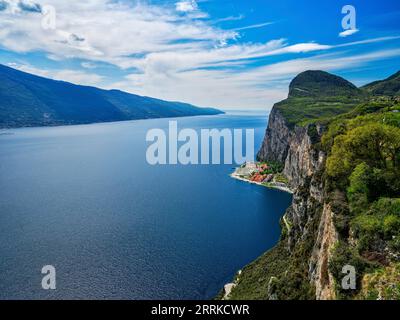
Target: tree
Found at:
x=377, y=145
x=358, y=192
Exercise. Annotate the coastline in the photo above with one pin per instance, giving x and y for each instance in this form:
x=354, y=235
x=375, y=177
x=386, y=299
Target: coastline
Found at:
x=271, y=185
x=228, y=287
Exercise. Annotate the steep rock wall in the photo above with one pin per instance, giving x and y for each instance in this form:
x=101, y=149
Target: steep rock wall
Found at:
x=303, y=166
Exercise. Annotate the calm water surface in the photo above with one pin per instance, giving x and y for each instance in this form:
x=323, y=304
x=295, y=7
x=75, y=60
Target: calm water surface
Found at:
x=83, y=198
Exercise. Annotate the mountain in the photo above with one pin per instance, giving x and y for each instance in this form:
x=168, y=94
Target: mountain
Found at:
x=318, y=95
x=314, y=83
x=344, y=168
x=30, y=100
x=389, y=86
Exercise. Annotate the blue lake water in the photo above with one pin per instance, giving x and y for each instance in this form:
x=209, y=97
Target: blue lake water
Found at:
x=84, y=199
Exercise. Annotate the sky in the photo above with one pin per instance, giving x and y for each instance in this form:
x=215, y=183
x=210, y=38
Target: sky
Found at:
x=236, y=54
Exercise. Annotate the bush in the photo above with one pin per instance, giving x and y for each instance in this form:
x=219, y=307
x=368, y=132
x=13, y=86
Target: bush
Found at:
x=358, y=191
x=366, y=223
x=377, y=145
x=395, y=243
x=386, y=206
x=391, y=226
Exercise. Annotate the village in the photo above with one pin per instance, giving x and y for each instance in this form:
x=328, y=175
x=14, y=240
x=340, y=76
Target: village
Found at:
x=264, y=174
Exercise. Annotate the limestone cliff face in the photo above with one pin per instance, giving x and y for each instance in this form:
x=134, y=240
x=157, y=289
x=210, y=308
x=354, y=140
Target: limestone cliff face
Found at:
x=303, y=166
x=275, y=145
x=326, y=239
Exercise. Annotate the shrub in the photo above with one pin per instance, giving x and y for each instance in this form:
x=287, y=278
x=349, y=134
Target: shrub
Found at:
x=386, y=206
x=391, y=226
x=358, y=191
x=377, y=145
x=366, y=223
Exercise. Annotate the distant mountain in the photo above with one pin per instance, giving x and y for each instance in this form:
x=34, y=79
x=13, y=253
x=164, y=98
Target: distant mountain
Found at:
x=29, y=100
x=389, y=86
x=320, y=83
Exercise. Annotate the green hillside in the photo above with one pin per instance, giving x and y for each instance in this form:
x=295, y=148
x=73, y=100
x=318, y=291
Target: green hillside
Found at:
x=389, y=86
x=318, y=95
x=29, y=100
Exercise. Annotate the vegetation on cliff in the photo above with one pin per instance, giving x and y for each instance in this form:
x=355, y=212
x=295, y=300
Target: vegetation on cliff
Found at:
x=360, y=180
x=364, y=162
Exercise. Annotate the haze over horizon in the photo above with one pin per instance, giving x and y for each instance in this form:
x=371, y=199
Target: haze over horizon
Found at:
x=217, y=53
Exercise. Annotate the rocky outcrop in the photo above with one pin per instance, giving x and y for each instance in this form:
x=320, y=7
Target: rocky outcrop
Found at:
x=317, y=234
x=326, y=239
x=275, y=144
x=303, y=166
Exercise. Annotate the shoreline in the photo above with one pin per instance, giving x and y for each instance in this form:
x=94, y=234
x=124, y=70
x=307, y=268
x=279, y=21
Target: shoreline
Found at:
x=228, y=287
x=107, y=122
x=270, y=185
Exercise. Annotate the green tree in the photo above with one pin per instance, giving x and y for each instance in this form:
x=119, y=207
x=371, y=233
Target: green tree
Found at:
x=376, y=144
x=358, y=192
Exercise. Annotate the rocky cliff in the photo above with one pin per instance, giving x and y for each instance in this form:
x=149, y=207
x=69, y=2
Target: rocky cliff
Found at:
x=301, y=258
x=310, y=229
x=336, y=143
x=303, y=168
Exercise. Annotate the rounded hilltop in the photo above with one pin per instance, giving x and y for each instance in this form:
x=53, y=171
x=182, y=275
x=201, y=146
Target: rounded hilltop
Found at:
x=313, y=83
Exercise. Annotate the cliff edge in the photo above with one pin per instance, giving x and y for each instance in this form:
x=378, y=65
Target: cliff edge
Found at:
x=319, y=229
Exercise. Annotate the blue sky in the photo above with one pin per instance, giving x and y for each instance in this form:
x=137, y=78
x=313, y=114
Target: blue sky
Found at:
x=220, y=53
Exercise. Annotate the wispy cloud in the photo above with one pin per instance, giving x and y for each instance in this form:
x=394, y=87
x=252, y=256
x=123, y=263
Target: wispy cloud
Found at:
x=347, y=33
x=230, y=18
x=254, y=26
x=186, y=6
x=367, y=41
x=244, y=88
x=176, y=53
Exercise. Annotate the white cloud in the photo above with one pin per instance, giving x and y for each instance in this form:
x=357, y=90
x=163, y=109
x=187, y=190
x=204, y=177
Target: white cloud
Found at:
x=186, y=6
x=88, y=65
x=230, y=18
x=302, y=48
x=175, y=56
x=254, y=26
x=347, y=33
x=250, y=88
x=108, y=31
x=367, y=41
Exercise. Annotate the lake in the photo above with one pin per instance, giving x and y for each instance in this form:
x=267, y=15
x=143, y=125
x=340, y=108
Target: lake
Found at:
x=83, y=199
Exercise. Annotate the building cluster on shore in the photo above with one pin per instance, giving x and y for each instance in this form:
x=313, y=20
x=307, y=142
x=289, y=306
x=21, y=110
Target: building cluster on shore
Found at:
x=256, y=172
x=260, y=175
x=263, y=174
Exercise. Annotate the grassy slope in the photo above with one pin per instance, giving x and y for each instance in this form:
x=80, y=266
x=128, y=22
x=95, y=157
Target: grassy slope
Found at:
x=318, y=95
x=303, y=110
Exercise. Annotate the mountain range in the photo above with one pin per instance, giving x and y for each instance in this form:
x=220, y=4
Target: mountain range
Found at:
x=28, y=100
